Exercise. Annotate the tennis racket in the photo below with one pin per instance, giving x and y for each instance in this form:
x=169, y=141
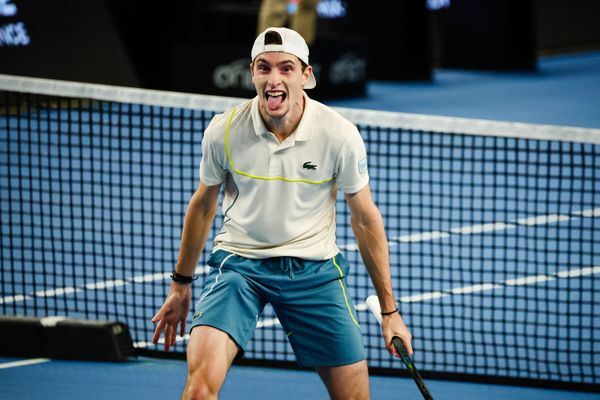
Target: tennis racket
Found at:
x=373, y=304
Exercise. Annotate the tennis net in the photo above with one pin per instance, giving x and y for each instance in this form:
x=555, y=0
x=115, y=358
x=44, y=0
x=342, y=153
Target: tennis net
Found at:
x=494, y=227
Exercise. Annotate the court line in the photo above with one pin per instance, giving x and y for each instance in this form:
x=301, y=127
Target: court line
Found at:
x=432, y=235
x=23, y=363
x=480, y=287
x=410, y=238
x=520, y=281
x=96, y=286
x=422, y=297
x=485, y=228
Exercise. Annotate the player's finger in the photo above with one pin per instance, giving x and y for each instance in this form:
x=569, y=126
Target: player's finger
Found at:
x=157, y=316
x=182, y=329
x=168, y=337
x=408, y=346
x=157, y=332
x=404, y=343
x=392, y=350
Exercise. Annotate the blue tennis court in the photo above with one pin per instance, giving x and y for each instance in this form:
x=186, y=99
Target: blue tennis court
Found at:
x=493, y=239
x=146, y=378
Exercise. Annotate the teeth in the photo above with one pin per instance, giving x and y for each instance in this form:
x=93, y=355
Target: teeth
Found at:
x=275, y=94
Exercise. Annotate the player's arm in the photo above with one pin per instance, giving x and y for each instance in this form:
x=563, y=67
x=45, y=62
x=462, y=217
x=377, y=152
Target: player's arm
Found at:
x=198, y=220
x=369, y=230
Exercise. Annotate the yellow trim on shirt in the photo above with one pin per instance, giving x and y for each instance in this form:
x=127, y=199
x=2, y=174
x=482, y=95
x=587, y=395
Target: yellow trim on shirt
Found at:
x=252, y=176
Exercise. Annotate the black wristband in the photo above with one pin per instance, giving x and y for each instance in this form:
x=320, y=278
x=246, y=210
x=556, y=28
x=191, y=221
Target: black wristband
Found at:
x=186, y=280
x=383, y=314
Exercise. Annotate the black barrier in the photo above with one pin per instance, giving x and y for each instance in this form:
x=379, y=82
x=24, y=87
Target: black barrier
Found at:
x=65, y=338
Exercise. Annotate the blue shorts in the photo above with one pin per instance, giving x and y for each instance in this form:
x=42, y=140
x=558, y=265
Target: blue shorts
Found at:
x=309, y=298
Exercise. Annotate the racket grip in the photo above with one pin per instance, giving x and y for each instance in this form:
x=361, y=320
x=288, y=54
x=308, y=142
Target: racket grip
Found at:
x=399, y=346
x=401, y=349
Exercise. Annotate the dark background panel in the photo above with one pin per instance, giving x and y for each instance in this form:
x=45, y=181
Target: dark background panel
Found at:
x=67, y=39
x=204, y=47
x=184, y=44
x=486, y=35
x=397, y=34
x=567, y=25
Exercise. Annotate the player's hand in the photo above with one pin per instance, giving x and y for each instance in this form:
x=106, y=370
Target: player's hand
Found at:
x=173, y=313
x=393, y=325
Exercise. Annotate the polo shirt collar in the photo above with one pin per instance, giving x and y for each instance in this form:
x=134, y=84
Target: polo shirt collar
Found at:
x=305, y=129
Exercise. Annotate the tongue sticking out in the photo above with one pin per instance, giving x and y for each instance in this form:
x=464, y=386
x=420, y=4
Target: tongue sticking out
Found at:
x=275, y=101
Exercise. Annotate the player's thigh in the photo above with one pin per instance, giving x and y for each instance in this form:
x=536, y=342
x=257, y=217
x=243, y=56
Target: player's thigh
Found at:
x=210, y=353
x=319, y=317
x=346, y=382
x=230, y=301
x=223, y=322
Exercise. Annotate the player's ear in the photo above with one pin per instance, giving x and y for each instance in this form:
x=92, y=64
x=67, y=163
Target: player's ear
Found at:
x=307, y=73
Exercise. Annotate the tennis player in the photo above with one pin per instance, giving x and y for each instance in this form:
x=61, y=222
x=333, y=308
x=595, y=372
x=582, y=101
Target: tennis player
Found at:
x=282, y=157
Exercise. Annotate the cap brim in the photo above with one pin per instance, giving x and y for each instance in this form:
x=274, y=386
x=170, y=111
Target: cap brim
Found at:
x=311, y=82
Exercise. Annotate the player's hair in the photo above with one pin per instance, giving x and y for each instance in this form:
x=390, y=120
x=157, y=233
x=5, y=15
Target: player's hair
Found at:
x=272, y=37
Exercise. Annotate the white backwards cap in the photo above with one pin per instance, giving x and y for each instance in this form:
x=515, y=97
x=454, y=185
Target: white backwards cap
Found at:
x=291, y=43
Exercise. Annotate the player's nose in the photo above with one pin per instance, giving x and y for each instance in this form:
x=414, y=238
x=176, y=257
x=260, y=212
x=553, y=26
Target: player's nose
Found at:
x=274, y=79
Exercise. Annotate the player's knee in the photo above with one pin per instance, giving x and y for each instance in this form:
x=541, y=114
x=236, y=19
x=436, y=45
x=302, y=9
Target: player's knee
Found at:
x=350, y=382
x=207, y=367
x=199, y=390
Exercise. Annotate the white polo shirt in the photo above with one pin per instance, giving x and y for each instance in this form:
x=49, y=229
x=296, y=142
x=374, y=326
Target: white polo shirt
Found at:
x=279, y=198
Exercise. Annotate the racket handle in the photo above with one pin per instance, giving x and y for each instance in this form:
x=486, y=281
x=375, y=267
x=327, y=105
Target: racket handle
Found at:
x=399, y=346
x=373, y=305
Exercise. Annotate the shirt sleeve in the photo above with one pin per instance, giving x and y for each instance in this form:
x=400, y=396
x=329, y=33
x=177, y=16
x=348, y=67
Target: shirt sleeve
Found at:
x=352, y=171
x=211, y=168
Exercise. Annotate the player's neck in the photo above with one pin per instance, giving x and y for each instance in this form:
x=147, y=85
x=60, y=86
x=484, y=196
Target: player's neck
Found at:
x=282, y=127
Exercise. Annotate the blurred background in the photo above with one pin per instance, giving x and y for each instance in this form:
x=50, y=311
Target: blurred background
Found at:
x=203, y=46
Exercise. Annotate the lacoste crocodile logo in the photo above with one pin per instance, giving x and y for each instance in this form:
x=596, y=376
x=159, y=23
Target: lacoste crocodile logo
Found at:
x=309, y=165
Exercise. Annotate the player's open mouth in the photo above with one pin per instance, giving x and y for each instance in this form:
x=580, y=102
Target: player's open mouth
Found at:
x=275, y=98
